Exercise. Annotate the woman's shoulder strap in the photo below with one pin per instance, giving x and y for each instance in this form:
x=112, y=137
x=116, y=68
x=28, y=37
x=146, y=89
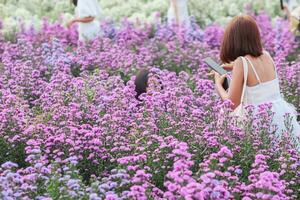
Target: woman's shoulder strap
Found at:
x=245, y=69
x=268, y=54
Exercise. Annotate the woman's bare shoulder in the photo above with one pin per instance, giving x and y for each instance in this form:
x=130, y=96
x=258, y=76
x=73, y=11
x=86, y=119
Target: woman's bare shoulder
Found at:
x=238, y=63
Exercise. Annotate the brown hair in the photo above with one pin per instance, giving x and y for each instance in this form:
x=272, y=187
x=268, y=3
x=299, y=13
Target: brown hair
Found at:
x=141, y=82
x=241, y=38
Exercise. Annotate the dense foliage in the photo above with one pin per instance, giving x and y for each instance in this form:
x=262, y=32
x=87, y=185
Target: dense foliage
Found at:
x=71, y=128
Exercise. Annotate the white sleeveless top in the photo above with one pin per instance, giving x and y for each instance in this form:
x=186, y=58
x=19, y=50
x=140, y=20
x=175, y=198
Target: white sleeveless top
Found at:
x=269, y=92
x=263, y=92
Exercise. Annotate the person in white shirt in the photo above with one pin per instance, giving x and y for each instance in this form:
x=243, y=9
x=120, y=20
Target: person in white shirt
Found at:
x=178, y=13
x=292, y=4
x=292, y=9
x=87, y=14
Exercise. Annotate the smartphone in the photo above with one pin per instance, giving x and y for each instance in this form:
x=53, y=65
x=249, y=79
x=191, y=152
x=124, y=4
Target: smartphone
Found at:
x=281, y=4
x=216, y=67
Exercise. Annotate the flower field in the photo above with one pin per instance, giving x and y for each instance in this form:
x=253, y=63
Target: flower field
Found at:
x=71, y=128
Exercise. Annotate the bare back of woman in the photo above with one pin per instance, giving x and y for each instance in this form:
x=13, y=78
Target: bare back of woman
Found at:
x=261, y=69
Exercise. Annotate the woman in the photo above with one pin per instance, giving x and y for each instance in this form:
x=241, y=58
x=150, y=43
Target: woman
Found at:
x=178, y=13
x=241, y=46
x=294, y=19
x=87, y=12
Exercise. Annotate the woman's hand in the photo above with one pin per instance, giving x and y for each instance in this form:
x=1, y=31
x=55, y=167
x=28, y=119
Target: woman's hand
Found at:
x=228, y=66
x=219, y=79
x=287, y=11
x=70, y=23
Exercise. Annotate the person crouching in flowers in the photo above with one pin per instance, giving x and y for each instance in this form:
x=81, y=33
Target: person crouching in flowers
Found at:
x=87, y=14
x=254, y=77
x=147, y=82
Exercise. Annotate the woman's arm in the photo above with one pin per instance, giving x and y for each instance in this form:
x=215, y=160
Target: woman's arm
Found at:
x=174, y=2
x=81, y=20
x=84, y=19
x=287, y=11
x=236, y=86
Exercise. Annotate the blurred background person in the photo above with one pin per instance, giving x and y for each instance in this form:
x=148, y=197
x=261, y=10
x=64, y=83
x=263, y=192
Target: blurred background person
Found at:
x=87, y=14
x=178, y=13
x=292, y=10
